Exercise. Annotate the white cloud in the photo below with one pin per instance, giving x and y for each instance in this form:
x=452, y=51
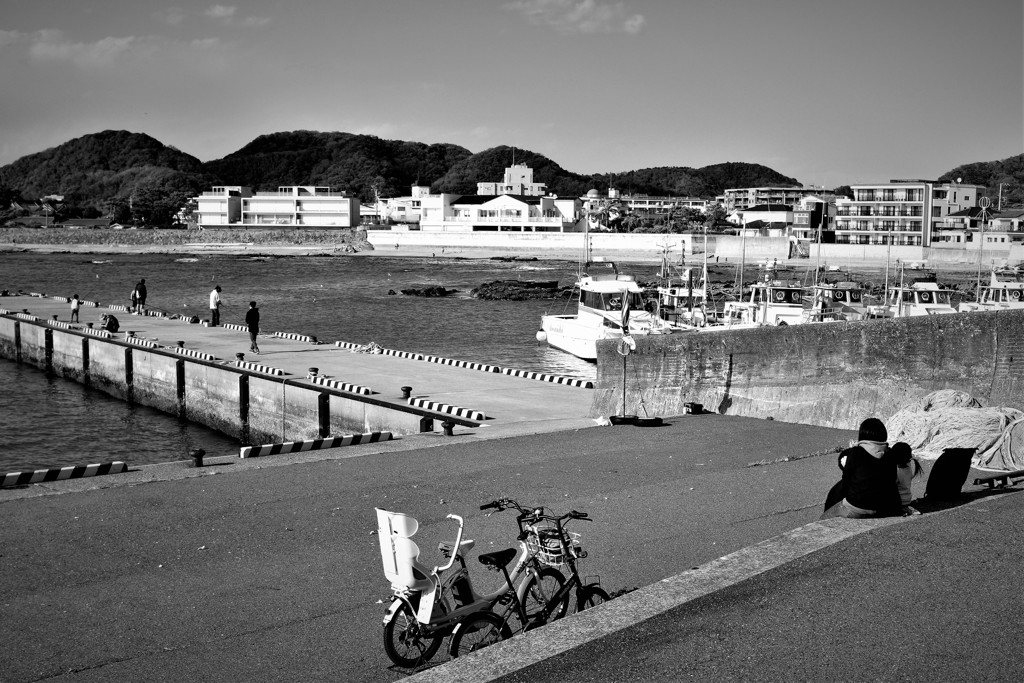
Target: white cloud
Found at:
x=50, y=45
x=170, y=15
x=225, y=12
x=228, y=15
x=580, y=16
x=10, y=37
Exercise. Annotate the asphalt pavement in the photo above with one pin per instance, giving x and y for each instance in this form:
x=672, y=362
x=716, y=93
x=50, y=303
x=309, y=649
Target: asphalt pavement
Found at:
x=270, y=570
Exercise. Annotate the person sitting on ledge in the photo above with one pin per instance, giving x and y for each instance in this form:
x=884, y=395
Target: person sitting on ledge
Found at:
x=869, y=483
x=110, y=323
x=907, y=467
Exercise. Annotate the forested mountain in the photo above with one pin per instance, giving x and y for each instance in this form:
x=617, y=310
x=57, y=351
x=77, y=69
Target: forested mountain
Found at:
x=132, y=176
x=115, y=167
x=1009, y=172
x=354, y=163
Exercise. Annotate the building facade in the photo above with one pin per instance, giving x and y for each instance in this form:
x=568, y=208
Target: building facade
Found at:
x=741, y=199
x=518, y=180
x=901, y=212
x=296, y=206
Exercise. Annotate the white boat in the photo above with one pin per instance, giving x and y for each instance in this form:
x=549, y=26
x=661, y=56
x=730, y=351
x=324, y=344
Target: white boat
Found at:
x=607, y=300
x=839, y=301
x=999, y=295
x=916, y=298
x=683, y=300
x=774, y=302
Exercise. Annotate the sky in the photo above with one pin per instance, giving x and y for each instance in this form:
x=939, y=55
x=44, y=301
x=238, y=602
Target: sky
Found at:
x=830, y=93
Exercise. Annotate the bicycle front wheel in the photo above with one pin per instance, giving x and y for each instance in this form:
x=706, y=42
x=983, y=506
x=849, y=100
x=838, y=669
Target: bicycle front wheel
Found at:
x=477, y=632
x=404, y=641
x=540, y=589
x=589, y=596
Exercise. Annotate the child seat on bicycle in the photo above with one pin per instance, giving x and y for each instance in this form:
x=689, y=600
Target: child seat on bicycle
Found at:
x=400, y=554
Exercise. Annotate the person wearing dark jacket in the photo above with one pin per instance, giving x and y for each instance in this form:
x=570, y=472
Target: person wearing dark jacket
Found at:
x=252, y=320
x=869, y=483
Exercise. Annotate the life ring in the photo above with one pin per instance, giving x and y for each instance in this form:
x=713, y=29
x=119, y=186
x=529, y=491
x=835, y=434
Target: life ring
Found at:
x=626, y=345
x=615, y=304
x=795, y=296
x=780, y=296
x=1015, y=294
x=854, y=295
x=838, y=295
x=926, y=297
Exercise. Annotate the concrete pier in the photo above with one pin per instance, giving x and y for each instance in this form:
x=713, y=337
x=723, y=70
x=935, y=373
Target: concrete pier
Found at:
x=297, y=388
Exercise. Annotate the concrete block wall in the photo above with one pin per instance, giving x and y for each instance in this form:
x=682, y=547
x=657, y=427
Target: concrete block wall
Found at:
x=832, y=374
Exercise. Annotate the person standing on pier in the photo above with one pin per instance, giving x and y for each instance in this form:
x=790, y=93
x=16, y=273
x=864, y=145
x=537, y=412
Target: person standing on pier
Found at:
x=140, y=295
x=215, y=307
x=76, y=306
x=252, y=319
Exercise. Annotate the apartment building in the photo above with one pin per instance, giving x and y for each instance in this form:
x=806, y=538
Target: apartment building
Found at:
x=500, y=213
x=741, y=199
x=296, y=206
x=518, y=180
x=902, y=212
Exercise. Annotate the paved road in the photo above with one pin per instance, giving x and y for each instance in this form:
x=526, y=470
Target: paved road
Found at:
x=273, y=573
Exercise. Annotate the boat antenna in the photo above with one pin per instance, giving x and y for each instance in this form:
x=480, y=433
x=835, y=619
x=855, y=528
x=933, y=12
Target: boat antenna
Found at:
x=984, y=203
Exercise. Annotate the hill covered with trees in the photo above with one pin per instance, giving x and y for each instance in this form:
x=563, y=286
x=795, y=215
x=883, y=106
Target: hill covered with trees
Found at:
x=133, y=177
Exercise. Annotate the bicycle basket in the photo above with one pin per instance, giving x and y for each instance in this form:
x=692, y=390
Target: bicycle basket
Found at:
x=544, y=543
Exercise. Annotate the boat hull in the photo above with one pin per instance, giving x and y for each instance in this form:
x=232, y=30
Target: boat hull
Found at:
x=569, y=334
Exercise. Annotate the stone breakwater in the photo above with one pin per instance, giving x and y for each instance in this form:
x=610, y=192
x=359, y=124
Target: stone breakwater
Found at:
x=107, y=240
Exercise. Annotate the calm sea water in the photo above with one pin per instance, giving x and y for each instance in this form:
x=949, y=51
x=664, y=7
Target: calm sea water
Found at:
x=51, y=422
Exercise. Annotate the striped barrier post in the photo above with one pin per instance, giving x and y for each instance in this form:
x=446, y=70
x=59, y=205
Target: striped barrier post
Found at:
x=61, y=324
x=26, y=316
x=343, y=386
x=402, y=354
x=313, y=444
x=308, y=338
x=462, y=364
x=192, y=354
x=233, y=326
x=256, y=367
x=139, y=341
x=102, y=334
x=94, y=304
x=568, y=381
x=347, y=345
x=117, y=307
x=62, y=473
x=4, y=311
x=62, y=299
x=447, y=409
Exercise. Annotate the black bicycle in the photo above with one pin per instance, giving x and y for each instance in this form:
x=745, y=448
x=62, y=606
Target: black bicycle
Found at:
x=555, y=546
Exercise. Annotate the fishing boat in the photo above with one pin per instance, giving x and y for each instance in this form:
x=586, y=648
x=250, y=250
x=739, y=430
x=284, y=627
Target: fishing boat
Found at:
x=771, y=302
x=609, y=303
x=921, y=297
x=839, y=301
x=999, y=295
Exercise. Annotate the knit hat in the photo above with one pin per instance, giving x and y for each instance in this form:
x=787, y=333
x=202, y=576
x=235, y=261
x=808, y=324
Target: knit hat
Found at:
x=901, y=453
x=872, y=429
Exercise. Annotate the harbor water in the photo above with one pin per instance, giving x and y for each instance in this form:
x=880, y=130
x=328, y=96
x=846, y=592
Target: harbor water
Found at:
x=52, y=422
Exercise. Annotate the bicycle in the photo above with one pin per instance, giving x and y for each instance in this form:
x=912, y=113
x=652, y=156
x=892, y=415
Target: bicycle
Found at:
x=555, y=547
x=427, y=603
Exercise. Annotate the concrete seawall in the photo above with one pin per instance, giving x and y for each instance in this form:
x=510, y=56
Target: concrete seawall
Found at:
x=240, y=403
x=831, y=374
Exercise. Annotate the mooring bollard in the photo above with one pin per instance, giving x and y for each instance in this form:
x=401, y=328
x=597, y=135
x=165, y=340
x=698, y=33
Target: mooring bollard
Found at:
x=54, y=316
x=239, y=356
x=448, y=426
x=89, y=325
x=312, y=373
x=197, y=457
x=180, y=344
x=406, y=392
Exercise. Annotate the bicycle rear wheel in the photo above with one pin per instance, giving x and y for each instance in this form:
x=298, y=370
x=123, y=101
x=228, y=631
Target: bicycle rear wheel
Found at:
x=590, y=596
x=540, y=589
x=404, y=641
x=477, y=632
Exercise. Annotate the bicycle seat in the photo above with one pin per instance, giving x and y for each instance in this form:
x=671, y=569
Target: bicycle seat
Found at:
x=499, y=558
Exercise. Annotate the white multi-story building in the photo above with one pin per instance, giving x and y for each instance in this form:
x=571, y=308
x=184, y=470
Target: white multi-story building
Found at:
x=501, y=213
x=742, y=198
x=296, y=206
x=901, y=212
x=518, y=181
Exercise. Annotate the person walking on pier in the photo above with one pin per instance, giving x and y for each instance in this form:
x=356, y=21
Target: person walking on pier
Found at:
x=215, y=307
x=252, y=319
x=76, y=306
